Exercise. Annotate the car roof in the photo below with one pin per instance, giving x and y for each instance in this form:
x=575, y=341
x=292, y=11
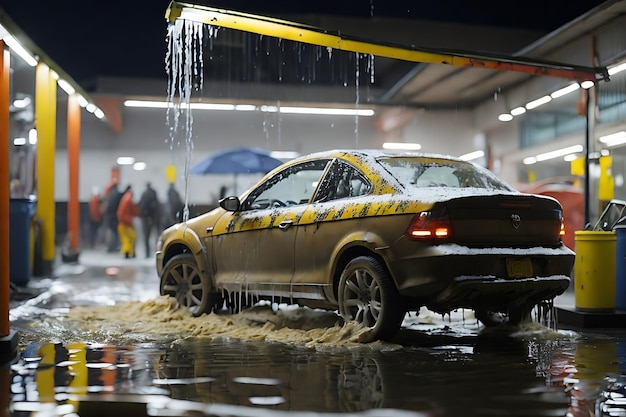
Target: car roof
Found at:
x=375, y=153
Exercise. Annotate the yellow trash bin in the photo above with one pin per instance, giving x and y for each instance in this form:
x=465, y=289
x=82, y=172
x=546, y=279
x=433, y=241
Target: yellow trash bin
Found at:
x=594, y=271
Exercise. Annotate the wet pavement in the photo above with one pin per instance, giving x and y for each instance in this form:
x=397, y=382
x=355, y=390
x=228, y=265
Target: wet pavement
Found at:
x=97, y=340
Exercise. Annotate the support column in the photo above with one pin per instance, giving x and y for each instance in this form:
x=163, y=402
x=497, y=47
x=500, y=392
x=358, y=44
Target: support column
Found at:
x=45, y=115
x=73, y=159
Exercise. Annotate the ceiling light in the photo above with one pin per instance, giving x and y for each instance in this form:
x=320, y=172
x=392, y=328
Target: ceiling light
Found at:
x=404, y=146
x=139, y=166
x=472, y=155
x=518, y=110
x=559, y=152
x=250, y=107
x=505, y=117
x=65, y=86
x=22, y=102
x=211, y=106
x=82, y=101
x=19, y=141
x=91, y=107
x=326, y=111
x=146, y=104
x=587, y=84
x=284, y=154
x=32, y=136
x=20, y=50
x=245, y=107
x=614, y=139
x=618, y=68
x=529, y=160
x=539, y=102
x=565, y=90
x=125, y=160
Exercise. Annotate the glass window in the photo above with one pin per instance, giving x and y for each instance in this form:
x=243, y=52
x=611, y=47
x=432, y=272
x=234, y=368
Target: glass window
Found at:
x=342, y=181
x=434, y=172
x=292, y=186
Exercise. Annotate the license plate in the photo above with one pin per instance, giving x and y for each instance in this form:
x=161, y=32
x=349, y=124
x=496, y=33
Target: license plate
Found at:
x=519, y=267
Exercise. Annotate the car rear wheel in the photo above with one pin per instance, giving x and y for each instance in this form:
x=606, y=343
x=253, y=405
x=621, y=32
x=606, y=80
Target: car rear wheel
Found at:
x=368, y=296
x=182, y=280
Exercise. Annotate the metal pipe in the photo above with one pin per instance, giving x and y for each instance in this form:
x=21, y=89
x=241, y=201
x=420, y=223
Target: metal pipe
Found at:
x=298, y=32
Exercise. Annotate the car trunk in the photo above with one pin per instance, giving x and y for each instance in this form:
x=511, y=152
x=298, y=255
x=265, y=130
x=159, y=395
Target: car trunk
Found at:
x=505, y=220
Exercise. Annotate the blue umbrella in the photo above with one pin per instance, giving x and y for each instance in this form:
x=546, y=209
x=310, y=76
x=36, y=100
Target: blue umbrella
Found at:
x=236, y=161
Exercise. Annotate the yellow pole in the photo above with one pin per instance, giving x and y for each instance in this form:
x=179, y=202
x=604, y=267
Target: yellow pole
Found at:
x=5, y=271
x=293, y=31
x=45, y=114
x=73, y=157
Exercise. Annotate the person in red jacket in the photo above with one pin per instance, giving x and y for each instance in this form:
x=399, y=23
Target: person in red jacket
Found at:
x=126, y=213
x=95, y=216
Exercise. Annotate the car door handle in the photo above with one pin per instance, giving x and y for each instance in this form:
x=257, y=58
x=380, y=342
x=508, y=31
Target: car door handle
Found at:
x=209, y=229
x=285, y=224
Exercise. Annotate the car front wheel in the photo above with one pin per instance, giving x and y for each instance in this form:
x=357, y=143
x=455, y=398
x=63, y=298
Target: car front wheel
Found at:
x=368, y=296
x=182, y=280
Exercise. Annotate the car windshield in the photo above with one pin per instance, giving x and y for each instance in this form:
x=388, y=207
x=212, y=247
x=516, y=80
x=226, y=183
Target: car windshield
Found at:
x=423, y=172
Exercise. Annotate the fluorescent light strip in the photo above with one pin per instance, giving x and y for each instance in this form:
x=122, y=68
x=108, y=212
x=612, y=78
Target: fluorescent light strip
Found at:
x=65, y=86
x=326, y=111
x=250, y=107
x=565, y=90
x=518, y=110
x=472, y=155
x=559, y=152
x=20, y=50
x=403, y=146
x=539, y=102
x=618, y=68
x=614, y=139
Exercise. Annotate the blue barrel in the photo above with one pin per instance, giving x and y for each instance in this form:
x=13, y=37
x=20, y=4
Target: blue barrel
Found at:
x=21, y=212
x=620, y=267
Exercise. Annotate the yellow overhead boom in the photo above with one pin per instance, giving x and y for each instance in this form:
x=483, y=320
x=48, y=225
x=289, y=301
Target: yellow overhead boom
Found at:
x=299, y=32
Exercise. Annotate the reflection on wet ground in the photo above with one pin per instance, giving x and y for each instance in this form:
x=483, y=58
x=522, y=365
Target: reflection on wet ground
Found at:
x=93, y=344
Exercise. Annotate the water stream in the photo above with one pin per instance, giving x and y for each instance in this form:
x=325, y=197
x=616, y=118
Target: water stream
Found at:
x=189, y=44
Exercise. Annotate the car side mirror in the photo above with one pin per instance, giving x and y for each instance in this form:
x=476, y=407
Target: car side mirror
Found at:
x=231, y=203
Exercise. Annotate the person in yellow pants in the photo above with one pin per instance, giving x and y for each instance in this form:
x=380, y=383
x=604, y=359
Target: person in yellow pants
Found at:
x=126, y=213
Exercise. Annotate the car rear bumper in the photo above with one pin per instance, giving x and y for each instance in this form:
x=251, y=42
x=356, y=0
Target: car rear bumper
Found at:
x=493, y=293
x=454, y=276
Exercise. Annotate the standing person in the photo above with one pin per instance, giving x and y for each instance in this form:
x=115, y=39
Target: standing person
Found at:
x=126, y=213
x=175, y=205
x=95, y=216
x=111, y=204
x=150, y=213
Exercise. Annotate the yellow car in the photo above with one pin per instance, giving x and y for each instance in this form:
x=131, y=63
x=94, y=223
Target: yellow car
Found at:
x=373, y=235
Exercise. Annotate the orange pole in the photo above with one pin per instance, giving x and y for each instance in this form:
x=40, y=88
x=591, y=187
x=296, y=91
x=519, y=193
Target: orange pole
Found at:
x=5, y=272
x=73, y=156
x=5, y=390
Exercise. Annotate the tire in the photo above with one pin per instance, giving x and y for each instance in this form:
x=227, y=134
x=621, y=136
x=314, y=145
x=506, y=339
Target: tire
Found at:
x=182, y=280
x=490, y=318
x=368, y=296
x=514, y=317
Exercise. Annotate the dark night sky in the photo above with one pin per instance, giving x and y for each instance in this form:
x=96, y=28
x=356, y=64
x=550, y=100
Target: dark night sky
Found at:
x=91, y=38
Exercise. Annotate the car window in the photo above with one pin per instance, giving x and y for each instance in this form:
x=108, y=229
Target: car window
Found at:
x=342, y=181
x=435, y=172
x=292, y=186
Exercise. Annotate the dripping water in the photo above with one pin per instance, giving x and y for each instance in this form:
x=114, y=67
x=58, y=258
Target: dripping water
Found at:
x=358, y=98
x=184, y=68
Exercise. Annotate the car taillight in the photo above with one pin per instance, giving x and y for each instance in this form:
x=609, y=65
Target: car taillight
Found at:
x=562, y=231
x=430, y=226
